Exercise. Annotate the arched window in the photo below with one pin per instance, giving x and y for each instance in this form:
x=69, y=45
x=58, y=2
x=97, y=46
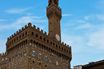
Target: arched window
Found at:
x=6, y=60
x=39, y=56
x=50, y=60
x=2, y=61
x=63, y=65
x=67, y=67
x=33, y=53
x=20, y=55
x=12, y=58
x=32, y=33
x=45, y=58
x=24, y=53
x=16, y=56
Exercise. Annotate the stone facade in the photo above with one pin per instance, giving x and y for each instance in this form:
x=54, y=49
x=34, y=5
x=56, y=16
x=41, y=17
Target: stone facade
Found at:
x=31, y=48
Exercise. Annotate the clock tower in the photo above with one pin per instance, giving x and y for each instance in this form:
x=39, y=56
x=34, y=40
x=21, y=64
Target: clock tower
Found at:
x=54, y=16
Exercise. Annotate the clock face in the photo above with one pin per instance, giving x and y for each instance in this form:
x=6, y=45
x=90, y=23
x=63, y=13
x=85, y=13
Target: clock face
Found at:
x=57, y=37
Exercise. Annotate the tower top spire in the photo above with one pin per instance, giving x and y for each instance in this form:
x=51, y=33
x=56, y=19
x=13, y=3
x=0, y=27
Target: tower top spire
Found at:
x=53, y=2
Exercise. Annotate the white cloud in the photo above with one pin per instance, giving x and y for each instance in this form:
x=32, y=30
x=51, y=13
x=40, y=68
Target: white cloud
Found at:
x=83, y=26
x=23, y=20
x=96, y=39
x=76, y=42
x=17, y=10
x=80, y=21
x=66, y=14
x=100, y=17
x=2, y=20
x=87, y=17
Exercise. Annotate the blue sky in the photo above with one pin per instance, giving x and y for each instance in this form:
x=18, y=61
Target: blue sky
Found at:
x=82, y=24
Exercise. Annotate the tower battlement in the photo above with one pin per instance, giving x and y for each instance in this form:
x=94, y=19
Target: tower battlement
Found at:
x=23, y=28
x=3, y=54
x=33, y=27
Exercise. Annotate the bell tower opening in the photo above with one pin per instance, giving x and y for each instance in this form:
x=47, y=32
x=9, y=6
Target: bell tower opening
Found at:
x=50, y=2
x=55, y=1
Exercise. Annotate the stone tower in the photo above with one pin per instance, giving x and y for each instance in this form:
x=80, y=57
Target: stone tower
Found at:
x=54, y=16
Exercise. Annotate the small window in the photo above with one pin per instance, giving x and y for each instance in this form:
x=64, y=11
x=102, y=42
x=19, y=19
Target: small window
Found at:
x=45, y=65
x=12, y=58
x=56, y=62
x=67, y=51
x=36, y=35
x=50, y=60
x=59, y=47
x=25, y=53
x=44, y=39
x=20, y=36
x=14, y=40
x=32, y=33
x=20, y=55
x=33, y=54
x=67, y=67
x=17, y=38
x=39, y=56
x=41, y=47
x=51, y=43
x=33, y=62
x=16, y=56
x=40, y=37
x=63, y=65
x=47, y=41
x=2, y=61
x=23, y=35
x=9, y=59
x=39, y=63
x=56, y=45
x=62, y=48
x=26, y=33
x=45, y=58
x=6, y=60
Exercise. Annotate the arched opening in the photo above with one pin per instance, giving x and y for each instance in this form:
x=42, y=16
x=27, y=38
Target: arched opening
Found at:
x=55, y=1
x=50, y=2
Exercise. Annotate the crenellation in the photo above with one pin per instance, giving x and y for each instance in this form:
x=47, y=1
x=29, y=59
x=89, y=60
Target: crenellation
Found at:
x=12, y=35
x=62, y=43
x=34, y=26
x=41, y=31
x=19, y=30
x=45, y=33
x=29, y=24
x=38, y=28
x=7, y=39
x=25, y=26
x=65, y=44
x=22, y=28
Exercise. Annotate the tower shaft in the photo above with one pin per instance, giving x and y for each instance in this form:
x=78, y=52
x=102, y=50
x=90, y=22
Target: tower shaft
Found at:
x=54, y=16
